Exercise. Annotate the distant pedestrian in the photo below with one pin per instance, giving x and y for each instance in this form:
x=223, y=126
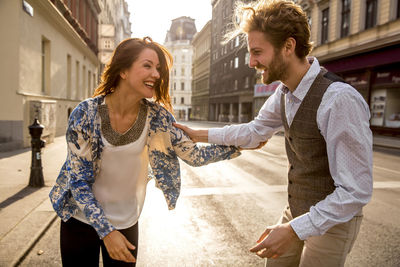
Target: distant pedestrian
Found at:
x=327, y=137
x=112, y=138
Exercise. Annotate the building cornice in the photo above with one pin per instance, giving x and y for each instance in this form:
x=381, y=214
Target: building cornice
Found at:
x=360, y=42
x=51, y=13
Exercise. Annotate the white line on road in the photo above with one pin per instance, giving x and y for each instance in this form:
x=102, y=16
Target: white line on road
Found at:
x=231, y=190
x=388, y=184
x=270, y=188
x=385, y=169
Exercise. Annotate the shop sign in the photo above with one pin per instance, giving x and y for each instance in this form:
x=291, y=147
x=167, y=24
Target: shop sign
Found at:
x=387, y=77
x=265, y=89
x=357, y=79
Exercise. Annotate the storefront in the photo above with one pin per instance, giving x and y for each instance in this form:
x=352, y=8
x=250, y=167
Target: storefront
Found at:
x=376, y=75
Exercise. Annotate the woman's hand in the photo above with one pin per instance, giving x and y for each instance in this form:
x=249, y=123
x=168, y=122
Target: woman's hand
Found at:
x=118, y=247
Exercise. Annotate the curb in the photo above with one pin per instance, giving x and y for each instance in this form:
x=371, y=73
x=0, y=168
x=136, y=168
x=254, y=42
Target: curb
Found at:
x=20, y=258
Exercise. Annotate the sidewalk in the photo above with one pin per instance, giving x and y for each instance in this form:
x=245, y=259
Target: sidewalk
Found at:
x=25, y=212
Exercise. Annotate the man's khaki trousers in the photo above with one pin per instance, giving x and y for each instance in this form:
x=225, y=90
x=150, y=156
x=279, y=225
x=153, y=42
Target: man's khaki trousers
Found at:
x=330, y=249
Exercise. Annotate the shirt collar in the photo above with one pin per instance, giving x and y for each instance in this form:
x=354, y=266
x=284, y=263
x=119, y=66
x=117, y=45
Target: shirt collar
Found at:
x=308, y=79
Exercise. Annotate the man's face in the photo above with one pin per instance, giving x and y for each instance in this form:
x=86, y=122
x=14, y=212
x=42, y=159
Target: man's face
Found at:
x=265, y=58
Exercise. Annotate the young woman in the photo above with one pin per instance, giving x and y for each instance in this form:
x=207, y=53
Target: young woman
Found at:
x=112, y=138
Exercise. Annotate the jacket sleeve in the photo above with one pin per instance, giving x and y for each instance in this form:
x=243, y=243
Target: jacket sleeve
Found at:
x=80, y=169
x=198, y=155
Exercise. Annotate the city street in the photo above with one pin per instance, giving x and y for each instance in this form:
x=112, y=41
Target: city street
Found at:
x=225, y=206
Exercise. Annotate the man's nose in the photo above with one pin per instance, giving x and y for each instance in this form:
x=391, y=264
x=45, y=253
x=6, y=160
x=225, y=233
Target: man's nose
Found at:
x=252, y=62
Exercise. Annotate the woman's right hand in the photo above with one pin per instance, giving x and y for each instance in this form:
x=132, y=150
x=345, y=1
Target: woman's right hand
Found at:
x=118, y=247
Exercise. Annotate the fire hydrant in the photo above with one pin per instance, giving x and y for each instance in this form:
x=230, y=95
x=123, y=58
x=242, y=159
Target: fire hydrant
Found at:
x=36, y=177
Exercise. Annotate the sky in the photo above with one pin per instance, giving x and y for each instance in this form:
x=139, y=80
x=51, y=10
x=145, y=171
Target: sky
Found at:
x=153, y=17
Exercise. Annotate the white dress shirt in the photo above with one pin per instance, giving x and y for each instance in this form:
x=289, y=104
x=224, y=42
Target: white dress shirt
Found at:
x=343, y=120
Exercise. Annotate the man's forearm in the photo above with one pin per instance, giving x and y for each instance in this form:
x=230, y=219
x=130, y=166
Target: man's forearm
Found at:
x=200, y=136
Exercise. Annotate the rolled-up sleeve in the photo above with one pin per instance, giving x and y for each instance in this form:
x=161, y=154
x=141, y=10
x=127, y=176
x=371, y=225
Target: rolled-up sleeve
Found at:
x=250, y=135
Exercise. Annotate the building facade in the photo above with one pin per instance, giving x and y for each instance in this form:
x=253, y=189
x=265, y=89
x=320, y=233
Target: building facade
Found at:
x=201, y=73
x=49, y=64
x=114, y=27
x=178, y=42
x=231, y=79
x=360, y=41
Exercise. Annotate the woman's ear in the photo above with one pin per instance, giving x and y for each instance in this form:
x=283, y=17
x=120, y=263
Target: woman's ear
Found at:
x=122, y=74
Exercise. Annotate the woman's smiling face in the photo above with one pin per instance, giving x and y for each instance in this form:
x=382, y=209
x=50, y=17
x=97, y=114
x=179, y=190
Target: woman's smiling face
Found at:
x=143, y=74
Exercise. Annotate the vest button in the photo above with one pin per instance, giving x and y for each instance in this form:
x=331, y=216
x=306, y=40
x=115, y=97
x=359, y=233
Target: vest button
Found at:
x=290, y=139
x=290, y=196
x=291, y=167
x=290, y=182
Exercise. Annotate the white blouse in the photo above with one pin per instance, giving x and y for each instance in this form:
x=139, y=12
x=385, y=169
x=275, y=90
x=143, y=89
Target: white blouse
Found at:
x=120, y=187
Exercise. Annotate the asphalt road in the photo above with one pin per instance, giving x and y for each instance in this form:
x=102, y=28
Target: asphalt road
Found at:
x=225, y=206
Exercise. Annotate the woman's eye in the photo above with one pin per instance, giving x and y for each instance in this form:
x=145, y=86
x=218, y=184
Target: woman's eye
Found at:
x=147, y=66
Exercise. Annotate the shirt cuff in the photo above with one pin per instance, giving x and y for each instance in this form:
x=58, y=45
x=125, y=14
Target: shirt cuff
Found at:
x=304, y=227
x=215, y=136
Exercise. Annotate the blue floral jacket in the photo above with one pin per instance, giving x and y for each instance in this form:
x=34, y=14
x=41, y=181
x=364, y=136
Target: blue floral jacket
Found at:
x=165, y=143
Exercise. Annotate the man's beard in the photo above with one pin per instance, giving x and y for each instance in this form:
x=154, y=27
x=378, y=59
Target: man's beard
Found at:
x=276, y=70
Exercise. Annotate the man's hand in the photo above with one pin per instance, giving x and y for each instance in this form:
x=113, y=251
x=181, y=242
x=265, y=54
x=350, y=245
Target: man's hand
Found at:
x=195, y=135
x=117, y=246
x=260, y=145
x=274, y=241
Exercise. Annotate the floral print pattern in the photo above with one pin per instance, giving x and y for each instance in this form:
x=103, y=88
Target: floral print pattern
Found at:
x=73, y=188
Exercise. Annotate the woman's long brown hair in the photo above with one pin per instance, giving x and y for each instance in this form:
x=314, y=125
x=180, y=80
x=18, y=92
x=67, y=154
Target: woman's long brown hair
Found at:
x=123, y=57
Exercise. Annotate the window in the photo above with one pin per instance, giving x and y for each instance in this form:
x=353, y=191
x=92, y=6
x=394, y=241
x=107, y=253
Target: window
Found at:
x=77, y=79
x=398, y=9
x=174, y=100
x=69, y=67
x=107, y=44
x=183, y=71
x=324, y=28
x=345, y=26
x=45, y=66
x=174, y=86
x=225, y=67
x=247, y=58
x=182, y=86
x=237, y=41
x=371, y=12
x=182, y=100
x=235, y=87
x=183, y=58
x=89, y=84
x=231, y=63
x=246, y=82
x=236, y=62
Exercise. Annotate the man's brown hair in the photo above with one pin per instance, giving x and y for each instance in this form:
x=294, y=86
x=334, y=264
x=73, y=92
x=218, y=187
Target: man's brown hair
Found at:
x=278, y=20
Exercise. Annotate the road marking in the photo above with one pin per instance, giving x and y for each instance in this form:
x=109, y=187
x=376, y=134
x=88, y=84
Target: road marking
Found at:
x=232, y=190
x=388, y=184
x=206, y=191
x=385, y=169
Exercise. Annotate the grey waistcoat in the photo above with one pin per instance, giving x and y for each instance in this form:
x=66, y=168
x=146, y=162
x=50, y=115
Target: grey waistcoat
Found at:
x=308, y=173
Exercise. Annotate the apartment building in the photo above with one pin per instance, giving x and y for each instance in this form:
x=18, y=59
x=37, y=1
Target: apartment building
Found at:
x=360, y=41
x=201, y=73
x=231, y=79
x=178, y=42
x=114, y=27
